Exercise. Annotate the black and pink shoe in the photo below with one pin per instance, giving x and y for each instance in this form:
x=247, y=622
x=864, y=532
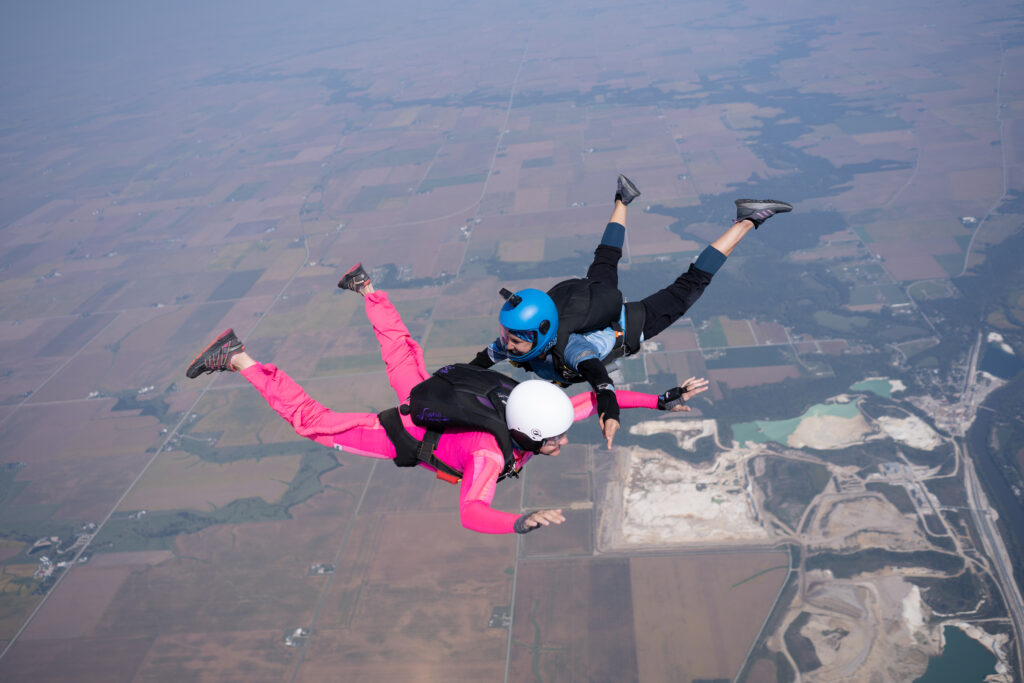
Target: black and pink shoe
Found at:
x=355, y=279
x=757, y=211
x=217, y=356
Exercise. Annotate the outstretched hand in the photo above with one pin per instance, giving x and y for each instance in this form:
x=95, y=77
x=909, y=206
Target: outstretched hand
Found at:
x=608, y=429
x=674, y=399
x=544, y=518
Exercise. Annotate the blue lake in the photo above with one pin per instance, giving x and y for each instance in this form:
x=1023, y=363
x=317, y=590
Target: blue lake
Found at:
x=963, y=660
x=1000, y=363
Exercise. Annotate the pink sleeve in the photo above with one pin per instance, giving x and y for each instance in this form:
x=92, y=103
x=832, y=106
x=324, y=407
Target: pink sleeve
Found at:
x=476, y=493
x=586, y=403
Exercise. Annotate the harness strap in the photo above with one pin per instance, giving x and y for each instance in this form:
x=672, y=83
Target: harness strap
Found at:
x=627, y=341
x=410, y=451
x=636, y=316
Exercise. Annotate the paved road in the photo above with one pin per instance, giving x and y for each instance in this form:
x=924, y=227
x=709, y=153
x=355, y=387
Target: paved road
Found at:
x=991, y=541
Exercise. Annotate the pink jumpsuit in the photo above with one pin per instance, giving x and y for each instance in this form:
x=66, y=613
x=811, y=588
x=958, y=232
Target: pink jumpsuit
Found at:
x=475, y=454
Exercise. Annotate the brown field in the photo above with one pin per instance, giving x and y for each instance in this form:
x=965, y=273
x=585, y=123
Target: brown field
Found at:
x=562, y=479
x=648, y=235
x=770, y=333
x=179, y=480
x=833, y=347
x=713, y=620
x=968, y=185
x=521, y=251
x=236, y=187
x=705, y=621
x=679, y=337
x=436, y=358
x=219, y=581
x=29, y=375
x=219, y=656
x=98, y=659
x=682, y=365
x=477, y=332
x=573, y=537
x=9, y=548
x=915, y=268
x=873, y=308
x=737, y=332
x=827, y=253
x=77, y=609
x=574, y=621
x=134, y=558
x=895, y=249
x=471, y=299
x=86, y=464
x=398, y=607
x=763, y=671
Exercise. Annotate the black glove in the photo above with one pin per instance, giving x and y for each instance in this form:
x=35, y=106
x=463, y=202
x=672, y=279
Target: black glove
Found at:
x=675, y=396
x=482, y=360
x=596, y=374
x=607, y=403
x=520, y=526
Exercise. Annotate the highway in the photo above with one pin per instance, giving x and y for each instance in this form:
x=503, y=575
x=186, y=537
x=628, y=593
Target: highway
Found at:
x=991, y=541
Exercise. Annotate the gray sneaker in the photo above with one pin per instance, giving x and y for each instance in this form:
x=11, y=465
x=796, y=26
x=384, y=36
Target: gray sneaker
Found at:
x=757, y=211
x=626, y=191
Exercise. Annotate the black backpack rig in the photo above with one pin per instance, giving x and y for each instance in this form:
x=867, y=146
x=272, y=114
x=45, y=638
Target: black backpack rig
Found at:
x=456, y=397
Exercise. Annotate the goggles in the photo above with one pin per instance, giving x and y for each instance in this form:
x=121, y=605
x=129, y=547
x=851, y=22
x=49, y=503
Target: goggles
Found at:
x=553, y=440
x=525, y=335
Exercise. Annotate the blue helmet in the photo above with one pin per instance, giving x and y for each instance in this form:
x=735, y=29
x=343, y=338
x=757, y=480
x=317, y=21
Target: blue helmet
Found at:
x=530, y=314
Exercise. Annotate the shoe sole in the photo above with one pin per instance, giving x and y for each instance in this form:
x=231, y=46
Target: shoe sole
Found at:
x=773, y=204
x=193, y=369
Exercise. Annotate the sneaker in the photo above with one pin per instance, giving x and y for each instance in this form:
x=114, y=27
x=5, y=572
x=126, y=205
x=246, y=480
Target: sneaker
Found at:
x=217, y=356
x=627, y=191
x=757, y=211
x=355, y=279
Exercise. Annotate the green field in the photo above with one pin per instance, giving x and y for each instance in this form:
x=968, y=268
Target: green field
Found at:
x=887, y=294
x=841, y=323
x=751, y=357
x=878, y=385
x=395, y=157
x=712, y=335
x=915, y=347
x=929, y=290
x=244, y=191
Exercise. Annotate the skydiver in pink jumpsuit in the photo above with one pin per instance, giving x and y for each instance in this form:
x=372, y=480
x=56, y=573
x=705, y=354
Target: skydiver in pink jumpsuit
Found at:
x=475, y=454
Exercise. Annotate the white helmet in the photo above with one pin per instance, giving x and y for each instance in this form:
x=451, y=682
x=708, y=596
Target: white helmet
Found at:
x=537, y=410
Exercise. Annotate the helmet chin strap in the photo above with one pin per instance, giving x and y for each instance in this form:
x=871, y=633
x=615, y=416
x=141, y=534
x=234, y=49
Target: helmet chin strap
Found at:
x=525, y=442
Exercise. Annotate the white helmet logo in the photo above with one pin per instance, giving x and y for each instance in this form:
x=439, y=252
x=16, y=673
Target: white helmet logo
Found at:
x=536, y=434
